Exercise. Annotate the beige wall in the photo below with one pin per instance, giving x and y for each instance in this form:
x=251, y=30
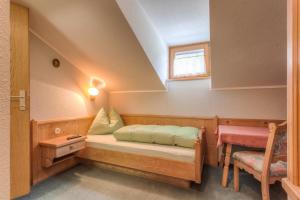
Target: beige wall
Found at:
x=4, y=100
x=248, y=43
x=194, y=98
x=58, y=92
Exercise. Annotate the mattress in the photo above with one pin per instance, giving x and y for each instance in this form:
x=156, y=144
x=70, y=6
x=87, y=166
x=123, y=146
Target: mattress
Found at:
x=108, y=142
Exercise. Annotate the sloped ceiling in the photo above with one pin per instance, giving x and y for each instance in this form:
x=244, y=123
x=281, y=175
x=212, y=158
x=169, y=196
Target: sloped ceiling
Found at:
x=95, y=37
x=179, y=21
x=154, y=46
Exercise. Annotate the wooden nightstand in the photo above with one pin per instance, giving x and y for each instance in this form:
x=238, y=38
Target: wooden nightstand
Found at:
x=59, y=149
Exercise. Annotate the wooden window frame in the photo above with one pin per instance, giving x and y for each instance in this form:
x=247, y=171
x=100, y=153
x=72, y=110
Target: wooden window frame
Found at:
x=190, y=47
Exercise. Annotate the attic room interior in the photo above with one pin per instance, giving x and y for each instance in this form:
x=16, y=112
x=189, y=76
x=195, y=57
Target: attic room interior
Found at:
x=149, y=99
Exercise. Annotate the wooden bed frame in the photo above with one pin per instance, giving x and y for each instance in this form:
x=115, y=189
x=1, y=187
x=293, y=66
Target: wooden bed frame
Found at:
x=167, y=167
x=170, y=170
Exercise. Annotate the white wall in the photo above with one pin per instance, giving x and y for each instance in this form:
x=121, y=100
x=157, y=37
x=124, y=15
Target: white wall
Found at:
x=155, y=48
x=194, y=98
x=179, y=22
x=58, y=93
x=4, y=100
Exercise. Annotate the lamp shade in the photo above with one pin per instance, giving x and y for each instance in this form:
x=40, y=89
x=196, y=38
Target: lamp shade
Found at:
x=93, y=91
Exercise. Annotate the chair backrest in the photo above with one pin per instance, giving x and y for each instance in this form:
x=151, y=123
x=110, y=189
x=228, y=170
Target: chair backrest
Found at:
x=276, y=148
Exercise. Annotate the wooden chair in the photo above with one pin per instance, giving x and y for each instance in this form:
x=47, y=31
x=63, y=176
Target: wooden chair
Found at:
x=267, y=167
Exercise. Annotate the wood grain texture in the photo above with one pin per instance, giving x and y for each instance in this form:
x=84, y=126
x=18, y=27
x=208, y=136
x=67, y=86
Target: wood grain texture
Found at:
x=292, y=183
x=165, y=179
x=293, y=79
x=172, y=168
x=247, y=122
x=61, y=141
x=263, y=176
x=292, y=190
x=190, y=47
x=20, y=120
x=210, y=124
x=189, y=171
x=44, y=130
x=59, y=149
x=226, y=166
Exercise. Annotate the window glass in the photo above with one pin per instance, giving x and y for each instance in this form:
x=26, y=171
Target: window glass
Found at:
x=189, y=63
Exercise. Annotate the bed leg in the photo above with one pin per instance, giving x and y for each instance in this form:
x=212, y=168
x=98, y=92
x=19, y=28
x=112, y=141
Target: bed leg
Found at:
x=199, y=156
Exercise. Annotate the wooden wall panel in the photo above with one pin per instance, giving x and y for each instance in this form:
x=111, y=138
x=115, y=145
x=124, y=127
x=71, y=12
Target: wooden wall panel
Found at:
x=211, y=156
x=247, y=122
x=44, y=130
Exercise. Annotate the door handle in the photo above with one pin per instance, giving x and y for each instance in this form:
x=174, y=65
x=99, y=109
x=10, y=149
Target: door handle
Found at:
x=22, y=99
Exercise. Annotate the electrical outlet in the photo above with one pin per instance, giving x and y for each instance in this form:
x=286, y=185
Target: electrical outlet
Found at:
x=57, y=131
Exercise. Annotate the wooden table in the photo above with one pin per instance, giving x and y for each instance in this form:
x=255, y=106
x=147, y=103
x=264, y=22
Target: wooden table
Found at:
x=60, y=149
x=239, y=135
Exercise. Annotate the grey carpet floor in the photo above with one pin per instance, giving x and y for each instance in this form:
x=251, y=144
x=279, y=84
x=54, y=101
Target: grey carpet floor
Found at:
x=93, y=183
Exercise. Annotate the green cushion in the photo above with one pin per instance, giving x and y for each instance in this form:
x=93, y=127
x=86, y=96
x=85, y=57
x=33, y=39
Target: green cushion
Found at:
x=143, y=133
x=100, y=124
x=115, y=120
x=103, y=124
x=166, y=135
x=124, y=133
x=185, y=136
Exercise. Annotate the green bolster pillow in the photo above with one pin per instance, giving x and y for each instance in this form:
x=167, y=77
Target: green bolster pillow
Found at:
x=165, y=135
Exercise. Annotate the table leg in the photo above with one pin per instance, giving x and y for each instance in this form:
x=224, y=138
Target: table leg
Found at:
x=226, y=166
x=222, y=155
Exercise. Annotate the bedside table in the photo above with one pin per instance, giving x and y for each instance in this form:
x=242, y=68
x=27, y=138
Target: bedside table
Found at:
x=59, y=149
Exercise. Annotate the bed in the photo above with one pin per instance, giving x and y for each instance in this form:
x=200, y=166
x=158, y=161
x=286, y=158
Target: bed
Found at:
x=178, y=170
x=170, y=161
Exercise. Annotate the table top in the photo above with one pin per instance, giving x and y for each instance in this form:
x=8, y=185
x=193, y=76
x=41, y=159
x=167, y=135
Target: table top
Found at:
x=243, y=135
x=61, y=141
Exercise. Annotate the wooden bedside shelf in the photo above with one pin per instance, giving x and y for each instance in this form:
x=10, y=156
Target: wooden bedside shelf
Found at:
x=59, y=149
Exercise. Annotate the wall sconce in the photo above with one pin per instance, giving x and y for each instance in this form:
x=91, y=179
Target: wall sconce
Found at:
x=93, y=91
x=96, y=84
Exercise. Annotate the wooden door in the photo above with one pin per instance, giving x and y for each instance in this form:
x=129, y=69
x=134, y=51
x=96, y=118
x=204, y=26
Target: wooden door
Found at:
x=20, y=119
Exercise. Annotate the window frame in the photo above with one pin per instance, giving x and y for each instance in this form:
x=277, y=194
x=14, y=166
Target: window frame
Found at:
x=174, y=49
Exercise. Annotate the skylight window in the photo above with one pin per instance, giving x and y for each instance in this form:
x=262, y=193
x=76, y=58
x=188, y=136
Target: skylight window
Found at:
x=189, y=62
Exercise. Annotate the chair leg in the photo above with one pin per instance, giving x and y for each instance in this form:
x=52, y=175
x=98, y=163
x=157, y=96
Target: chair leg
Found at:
x=265, y=190
x=236, y=180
